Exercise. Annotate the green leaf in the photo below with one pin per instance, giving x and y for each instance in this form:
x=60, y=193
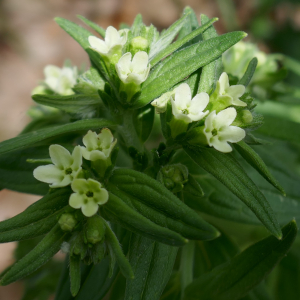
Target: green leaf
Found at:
x=153, y=194
x=137, y=25
x=190, y=25
x=183, y=63
x=77, y=32
x=75, y=274
x=93, y=25
x=51, y=203
x=178, y=43
x=227, y=170
x=37, y=257
x=234, y=279
x=167, y=37
x=17, y=174
x=31, y=138
x=143, y=120
x=281, y=129
x=82, y=104
x=118, y=211
x=245, y=80
x=152, y=264
x=257, y=163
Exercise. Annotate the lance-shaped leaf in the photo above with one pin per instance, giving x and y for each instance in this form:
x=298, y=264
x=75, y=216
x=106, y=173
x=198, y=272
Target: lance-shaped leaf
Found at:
x=161, y=218
x=211, y=72
x=75, y=274
x=154, y=195
x=183, y=63
x=82, y=103
x=118, y=211
x=245, y=80
x=167, y=37
x=176, y=45
x=17, y=174
x=33, y=137
x=39, y=210
x=93, y=25
x=37, y=257
x=190, y=25
x=152, y=264
x=227, y=170
x=234, y=279
x=257, y=163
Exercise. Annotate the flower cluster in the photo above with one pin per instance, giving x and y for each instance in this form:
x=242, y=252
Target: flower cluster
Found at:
x=132, y=67
x=216, y=110
x=67, y=170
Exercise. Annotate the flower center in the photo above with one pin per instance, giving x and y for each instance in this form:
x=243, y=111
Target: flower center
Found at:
x=185, y=111
x=89, y=194
x=214, y=132
x=68, y=171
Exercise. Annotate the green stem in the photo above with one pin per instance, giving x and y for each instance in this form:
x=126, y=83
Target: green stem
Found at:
x=187, y=265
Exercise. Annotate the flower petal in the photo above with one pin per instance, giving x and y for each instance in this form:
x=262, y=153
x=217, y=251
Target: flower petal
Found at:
x=76, y=200
x=232, y=134
x=49, y=174
x=96, y=155
x=112, y=37
x=60, y=156
x=197, y=116
x=224, y=117
x=199, y=102
x=221, y=146
x=98, y=45
x=209, y=126
x=224, y=82
x=90, y=208
x=236, y=91
x=90, y=140
x=183, y=96
x=80, y=186
x=94, y=185
x=77, y=158
x=140, y=62
x=101, y=197
x=52, y=71
x=105, y=138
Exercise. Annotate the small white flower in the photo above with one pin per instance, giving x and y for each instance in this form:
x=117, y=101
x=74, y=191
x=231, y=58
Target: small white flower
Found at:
x=64, y=169
x=218, y=131
x=230, y=92
x=135, y=71
x=161, y=103
x=88, y=195
x=98, y=146
x=61, y=80
x=187, y=109
x=113, y=42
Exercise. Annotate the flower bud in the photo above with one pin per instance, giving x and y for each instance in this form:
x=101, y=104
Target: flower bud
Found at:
x=94, y=230
x=67, y=222
x=139, y=44
x=77, y=245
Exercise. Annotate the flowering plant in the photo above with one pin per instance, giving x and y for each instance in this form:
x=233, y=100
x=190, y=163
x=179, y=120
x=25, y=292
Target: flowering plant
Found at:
x=140, y=160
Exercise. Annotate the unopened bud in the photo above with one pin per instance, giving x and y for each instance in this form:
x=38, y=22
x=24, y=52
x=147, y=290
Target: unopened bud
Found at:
x=139, y=44
x=94, y=230
x=67, y=222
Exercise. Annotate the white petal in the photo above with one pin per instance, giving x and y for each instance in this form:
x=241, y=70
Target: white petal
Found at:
x=52, y=83
x=140, y=62
x=66, y=181
x=85, y=153
x=60, y=156
x=236, y=91
x=90, y=140
x=101, y=197
x=209, y=126
x=52, y=71
x=183, y=96
x=135, y=78
x=49, y=174
x=225, y=117
x=98, y=45
x=199, y=102
x=76, y=200
x=90, y=208
x=94, y=185
x=77, y=158
x=161, y=103
x=123, y=66
x=197, y=116
x=80, y=186
x=112, y=37
x=224, y=82
x=232, y=134
x=96, y=155
x=123, y=34
x=221, y=146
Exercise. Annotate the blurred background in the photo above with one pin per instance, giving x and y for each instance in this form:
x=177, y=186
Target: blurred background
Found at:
x=30, y=39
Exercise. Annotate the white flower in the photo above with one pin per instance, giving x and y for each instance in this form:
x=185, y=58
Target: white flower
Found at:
x=113, y=42
x=135, y=71
x=88, y=196
x=59, y=80
x=64, y=169
x=161, y=103
x=187, y=109
x=98, y=146
x=218, y=131
x=232, y=93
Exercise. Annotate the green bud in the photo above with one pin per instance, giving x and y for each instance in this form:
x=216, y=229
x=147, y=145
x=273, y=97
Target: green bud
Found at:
x=139, y=44
x=77, y=246
x=67, y=222
x=94, y=230
x=243, y=118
